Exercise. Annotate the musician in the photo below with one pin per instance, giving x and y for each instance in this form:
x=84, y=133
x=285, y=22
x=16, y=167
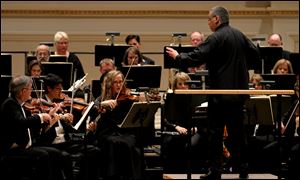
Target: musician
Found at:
x=61, y=43
x=132, y=56
x=16, y=135
x=58, y=135
x=289, y=140
x=226, y=53
x=178, y=111
x=135, y=40
x=105, y=65
x=283, y=66
x=121, y=155
x=35, y=68
x=42, y=53
x=294, y=155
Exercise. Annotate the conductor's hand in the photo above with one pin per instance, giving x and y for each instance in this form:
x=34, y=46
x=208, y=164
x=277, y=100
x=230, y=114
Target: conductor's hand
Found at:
x=172, y=52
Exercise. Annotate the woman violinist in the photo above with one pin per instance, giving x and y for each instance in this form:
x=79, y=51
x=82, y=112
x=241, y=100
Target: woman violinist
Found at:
x=121, y=155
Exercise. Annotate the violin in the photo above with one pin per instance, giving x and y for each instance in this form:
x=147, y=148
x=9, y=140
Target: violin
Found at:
x=36, y=106
x=78, y=103
x=126, y=97
x=65, y=101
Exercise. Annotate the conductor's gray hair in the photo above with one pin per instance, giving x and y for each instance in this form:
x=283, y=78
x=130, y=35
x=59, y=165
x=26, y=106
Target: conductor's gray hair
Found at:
x=222, y=12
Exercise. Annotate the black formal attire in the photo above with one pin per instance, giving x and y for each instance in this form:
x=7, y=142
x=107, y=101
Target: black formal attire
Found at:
x=86, y=156
x=227, y=54
x=73, y=58
x=16, y=128
x=175, y=148
x=286, y=54
x=121, y=156
x=147, y=60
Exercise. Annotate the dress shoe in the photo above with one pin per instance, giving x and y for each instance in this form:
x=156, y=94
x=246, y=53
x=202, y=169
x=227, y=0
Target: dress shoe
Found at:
x=211, y=176
x=244, y=171
x=244, y=175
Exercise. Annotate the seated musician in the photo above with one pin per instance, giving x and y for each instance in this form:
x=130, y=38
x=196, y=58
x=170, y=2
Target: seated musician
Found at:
x=121, y=155
x=17, y=137
x=289, y=139
x=57, y=135
x=178, y=111
x=34, y=68
x=133, y=56
x=283, y=66
x=294, y=154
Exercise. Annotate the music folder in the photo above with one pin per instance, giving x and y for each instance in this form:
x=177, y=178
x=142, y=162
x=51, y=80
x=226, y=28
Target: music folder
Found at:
x=140, y=114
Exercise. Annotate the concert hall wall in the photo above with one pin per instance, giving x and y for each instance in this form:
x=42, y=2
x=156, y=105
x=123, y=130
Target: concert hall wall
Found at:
x=25, y=24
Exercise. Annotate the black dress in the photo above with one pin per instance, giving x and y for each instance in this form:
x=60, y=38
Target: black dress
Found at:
x=121, y=157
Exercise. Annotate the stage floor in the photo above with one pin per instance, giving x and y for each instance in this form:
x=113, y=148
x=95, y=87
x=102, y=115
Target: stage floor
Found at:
x=224, y=176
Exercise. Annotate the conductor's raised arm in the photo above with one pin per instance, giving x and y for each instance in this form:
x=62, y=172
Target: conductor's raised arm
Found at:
x=172, y=52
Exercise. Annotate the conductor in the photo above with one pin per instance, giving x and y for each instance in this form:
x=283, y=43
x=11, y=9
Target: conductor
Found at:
x=226, y=53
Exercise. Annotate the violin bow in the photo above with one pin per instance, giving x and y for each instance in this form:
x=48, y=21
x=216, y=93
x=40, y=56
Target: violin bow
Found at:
x=125, y=78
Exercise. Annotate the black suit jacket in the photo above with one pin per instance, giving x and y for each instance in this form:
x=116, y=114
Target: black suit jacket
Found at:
x=14, y=125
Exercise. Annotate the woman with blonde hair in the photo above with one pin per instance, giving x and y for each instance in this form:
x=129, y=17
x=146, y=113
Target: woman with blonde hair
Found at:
x=283, y=66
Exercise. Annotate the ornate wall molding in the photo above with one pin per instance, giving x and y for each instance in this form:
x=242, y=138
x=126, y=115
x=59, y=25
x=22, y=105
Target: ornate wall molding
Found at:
x=139, y=13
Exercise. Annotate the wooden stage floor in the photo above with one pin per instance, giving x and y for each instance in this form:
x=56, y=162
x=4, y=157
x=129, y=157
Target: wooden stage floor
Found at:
x=224, y=176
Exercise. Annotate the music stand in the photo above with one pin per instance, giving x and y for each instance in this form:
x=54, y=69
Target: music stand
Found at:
x=146, y=76
x=62, y=69
x=4, y=90
x=269, y=55
x=169, y=62
x=5, y=64
x=260, y=113
x=294, y=58
x=140, y=115
x=58, y=58
x=281, y=81
x=114, y=52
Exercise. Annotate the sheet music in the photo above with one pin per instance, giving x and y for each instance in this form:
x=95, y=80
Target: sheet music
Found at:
x=139, y=110
x=84, y=115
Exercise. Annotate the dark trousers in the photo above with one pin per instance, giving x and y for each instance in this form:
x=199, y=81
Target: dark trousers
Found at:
x=226, y=110
x=33, y=163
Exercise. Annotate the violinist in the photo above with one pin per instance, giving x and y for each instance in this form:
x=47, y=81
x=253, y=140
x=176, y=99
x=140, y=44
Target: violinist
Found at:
x=58, y=135
x=16, y=135
x=121, y=155
x=289, y=143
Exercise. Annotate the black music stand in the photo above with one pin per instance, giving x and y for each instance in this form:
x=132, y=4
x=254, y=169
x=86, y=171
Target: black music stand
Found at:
x=114, y=52
x=294, y=58
x=5, y=64
x=145, y=76
x=4, y=90
x=62, y=69
x=280, y=81
x=269, y=55
x=140, y=115
x=58, y=58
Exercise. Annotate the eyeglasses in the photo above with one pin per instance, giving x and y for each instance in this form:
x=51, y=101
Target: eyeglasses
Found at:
x=30, y=89
x=117, y=82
